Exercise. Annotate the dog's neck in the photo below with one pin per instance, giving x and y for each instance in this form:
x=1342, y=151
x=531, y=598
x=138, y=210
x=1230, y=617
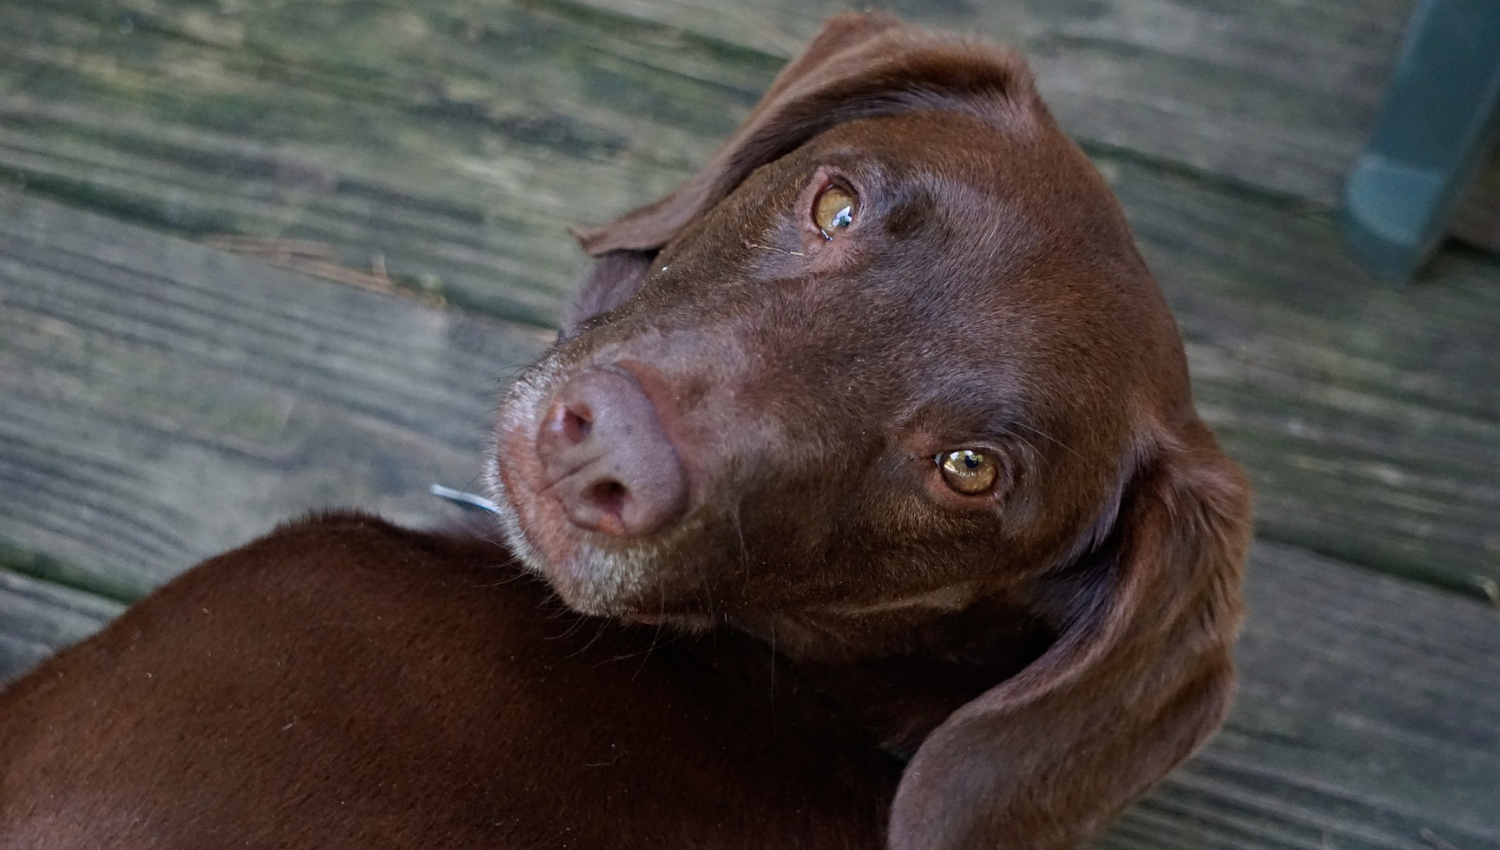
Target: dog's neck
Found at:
x=901, y=672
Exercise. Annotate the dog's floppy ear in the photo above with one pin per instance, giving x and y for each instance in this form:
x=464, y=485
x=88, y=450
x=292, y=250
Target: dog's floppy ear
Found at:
x=858, y=66
x=1140, y=676
x=614, y=277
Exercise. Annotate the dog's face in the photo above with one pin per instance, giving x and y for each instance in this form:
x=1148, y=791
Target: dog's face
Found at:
x=882, y=380
x=898, y=367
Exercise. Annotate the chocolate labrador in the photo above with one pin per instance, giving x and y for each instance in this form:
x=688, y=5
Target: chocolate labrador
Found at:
x=861, y=503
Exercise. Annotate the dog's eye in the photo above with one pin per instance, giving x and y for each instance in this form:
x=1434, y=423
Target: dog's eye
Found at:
x=834, y=210
x=968, y=472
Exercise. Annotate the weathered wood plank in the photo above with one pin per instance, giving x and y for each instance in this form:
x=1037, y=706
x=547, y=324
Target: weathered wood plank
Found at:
x=1368, y=700
x=1368, y=719
x=457, y=140
x=1274, y=95
x=164, y=401
x=435, y=140
x=1368, y=415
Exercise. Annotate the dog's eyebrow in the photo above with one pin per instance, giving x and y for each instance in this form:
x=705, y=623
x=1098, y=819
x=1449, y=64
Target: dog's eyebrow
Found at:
x=982, y=423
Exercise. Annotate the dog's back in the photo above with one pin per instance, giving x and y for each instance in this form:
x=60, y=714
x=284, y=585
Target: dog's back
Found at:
x=344, y=683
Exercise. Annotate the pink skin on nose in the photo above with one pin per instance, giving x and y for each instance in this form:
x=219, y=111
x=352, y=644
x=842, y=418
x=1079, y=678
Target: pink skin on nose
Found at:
x=605, y=457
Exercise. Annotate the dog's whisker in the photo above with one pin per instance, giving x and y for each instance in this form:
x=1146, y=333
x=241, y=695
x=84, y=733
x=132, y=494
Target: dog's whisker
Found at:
x=604, y=626
x=749, y=244
x=661, y=620
x=1044, y=435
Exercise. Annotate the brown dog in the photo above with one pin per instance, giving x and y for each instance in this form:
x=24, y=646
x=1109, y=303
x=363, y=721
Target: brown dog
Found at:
x=868, y=462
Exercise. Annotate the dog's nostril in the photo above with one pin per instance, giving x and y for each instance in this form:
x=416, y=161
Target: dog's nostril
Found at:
x=610, y=498
x=571, y=422
x=577, y=423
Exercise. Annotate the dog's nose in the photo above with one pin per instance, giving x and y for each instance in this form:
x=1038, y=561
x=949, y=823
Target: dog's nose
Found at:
x=606, y=458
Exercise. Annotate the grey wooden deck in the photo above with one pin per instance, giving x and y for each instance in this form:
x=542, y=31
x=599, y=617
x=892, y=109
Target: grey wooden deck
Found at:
x=261, y=257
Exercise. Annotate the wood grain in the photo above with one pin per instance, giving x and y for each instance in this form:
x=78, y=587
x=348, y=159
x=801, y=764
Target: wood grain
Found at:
x=1367, y=414
x=1369, y=700
x=164, y=401
x=1278, y=96
x=453, y=146
x=1369, y=711
x=456, y=140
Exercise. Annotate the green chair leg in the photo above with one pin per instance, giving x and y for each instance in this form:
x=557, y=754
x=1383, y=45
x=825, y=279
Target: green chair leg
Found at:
x=1440, y=114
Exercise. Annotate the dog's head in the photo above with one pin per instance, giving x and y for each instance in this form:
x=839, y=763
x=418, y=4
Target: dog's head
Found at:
x=891, y=351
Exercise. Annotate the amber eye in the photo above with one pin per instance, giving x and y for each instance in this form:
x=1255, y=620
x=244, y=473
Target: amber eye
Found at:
x=968, y=472
x=834, y=210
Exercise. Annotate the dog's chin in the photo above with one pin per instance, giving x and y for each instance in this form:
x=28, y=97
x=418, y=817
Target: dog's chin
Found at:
x=545, y=547
x=591, y=577
x=621, y=584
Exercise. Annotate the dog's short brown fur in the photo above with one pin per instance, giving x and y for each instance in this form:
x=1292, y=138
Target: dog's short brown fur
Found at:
x=784, y=629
